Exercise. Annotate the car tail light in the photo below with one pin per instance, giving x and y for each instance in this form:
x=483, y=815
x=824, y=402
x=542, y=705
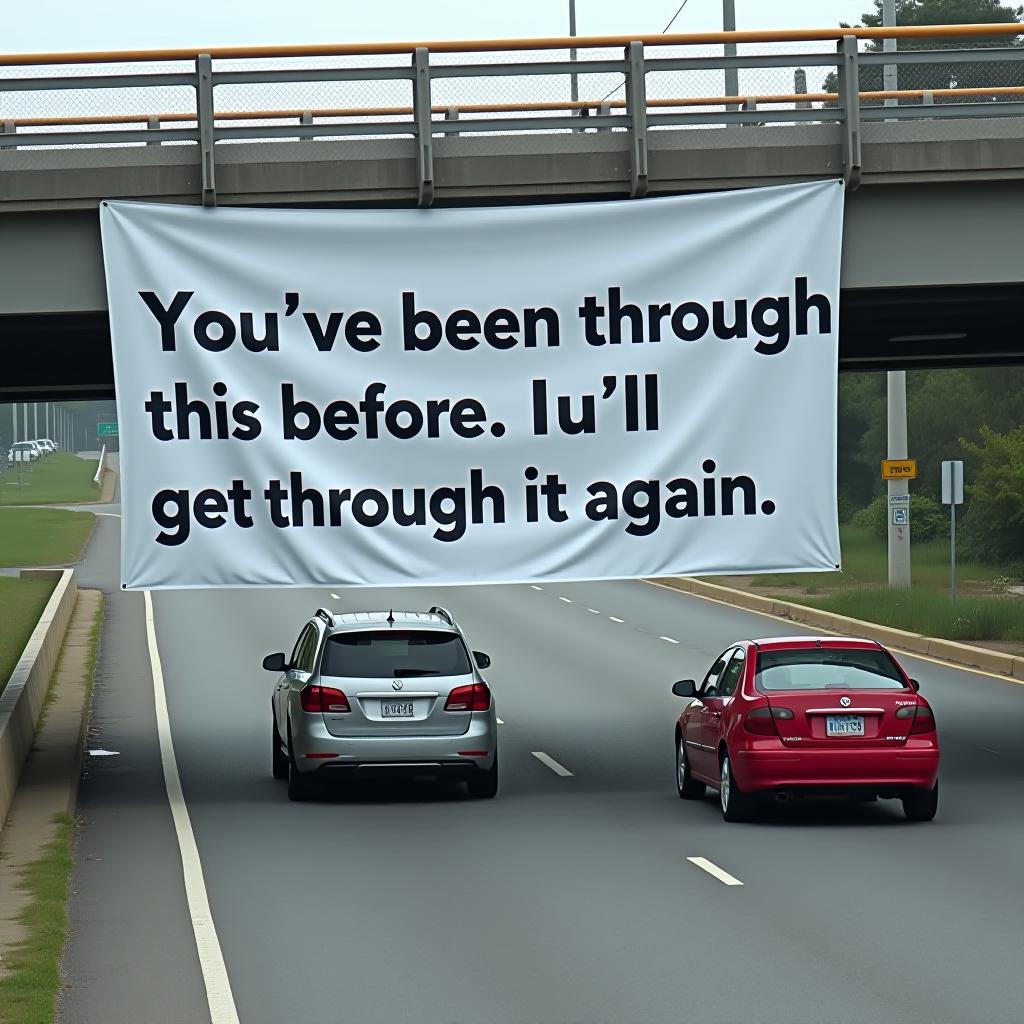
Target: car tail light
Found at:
x=761, y=721
x=473, y=697
x=924, y=720
x=324, y=699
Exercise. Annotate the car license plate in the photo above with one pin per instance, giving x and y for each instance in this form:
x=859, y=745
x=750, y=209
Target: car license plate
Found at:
x=844, y=725
x=396, y=709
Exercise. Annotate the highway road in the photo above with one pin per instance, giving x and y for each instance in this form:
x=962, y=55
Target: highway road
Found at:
x=568, y=898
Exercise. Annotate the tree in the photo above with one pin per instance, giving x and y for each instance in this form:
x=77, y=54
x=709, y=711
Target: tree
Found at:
x=954, y=74
x=994, y=525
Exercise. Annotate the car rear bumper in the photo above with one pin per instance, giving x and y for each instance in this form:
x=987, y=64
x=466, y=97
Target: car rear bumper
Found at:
x=906, y=768
x=316, y=749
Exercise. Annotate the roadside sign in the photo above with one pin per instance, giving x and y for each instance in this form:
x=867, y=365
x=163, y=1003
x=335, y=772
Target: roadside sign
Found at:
x=106, y=430
x=899, y=469
x=900, y=515
x=899, y=499
x=952, y=483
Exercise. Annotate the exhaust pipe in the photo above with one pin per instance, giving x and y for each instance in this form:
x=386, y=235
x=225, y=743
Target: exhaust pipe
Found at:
x=783, y=796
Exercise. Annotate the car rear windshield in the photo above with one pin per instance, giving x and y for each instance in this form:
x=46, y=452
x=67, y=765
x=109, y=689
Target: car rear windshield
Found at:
x=827, y=669
x=395, y=653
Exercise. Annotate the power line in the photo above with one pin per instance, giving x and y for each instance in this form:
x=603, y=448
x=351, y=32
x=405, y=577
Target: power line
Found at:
x=671, y=22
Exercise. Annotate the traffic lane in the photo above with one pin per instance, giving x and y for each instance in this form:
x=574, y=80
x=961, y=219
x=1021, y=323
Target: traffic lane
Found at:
x=130, y=945
x=515, y=850
x=407, y=863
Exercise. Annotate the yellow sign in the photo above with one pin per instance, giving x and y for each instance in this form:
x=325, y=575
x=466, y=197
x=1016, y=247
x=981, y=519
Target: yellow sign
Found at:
x=899, y=469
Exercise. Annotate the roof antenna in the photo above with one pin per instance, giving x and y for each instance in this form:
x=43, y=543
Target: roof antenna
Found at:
x=391, y=617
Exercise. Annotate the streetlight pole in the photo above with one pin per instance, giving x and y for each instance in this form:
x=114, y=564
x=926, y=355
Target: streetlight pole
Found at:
x=732, y=75
x=896, y=387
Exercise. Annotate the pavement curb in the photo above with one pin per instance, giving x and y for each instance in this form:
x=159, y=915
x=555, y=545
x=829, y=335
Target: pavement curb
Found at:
x=944, y=650
x=22, y=700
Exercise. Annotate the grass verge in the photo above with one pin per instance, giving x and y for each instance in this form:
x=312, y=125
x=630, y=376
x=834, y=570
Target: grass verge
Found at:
x=42, y=536
x=930, y=613
x=21, y=604
x=28, y=988
x=865, y=564
x=31, y=979
x=58, y=479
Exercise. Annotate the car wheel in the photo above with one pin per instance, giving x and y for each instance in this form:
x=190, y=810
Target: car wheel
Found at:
x=279, y=759
x=736, y=805
x=300, y=787
x=921, y=804
x=686, y=785
x=483, y=785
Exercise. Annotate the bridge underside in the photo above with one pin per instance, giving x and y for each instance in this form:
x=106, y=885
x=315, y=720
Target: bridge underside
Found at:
x=932, y=272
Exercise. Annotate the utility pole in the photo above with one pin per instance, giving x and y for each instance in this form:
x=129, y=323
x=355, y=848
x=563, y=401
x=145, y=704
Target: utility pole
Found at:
x=732, y=75
x=574, y=93
x=896, y=384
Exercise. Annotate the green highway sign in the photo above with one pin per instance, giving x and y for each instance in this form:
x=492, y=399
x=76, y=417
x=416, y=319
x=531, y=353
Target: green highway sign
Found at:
x=106, y=430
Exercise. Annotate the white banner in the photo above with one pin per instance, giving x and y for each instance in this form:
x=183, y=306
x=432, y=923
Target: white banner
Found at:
x=579, y=392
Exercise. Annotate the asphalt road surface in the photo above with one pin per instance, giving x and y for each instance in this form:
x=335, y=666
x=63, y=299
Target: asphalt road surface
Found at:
x=570, y=897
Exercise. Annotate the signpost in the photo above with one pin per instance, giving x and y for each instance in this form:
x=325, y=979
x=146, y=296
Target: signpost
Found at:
x=106, y=430
x=952, y=495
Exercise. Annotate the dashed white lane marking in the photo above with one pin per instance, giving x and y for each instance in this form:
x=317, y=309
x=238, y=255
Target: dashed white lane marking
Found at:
x=713, y=869
x=612, y=617
x=336, y=597
x=532, y=587
x=566, y=600
x=215, y=976
x=594, y=610
x=500, y=722
x=551, y=763
x=669, y=639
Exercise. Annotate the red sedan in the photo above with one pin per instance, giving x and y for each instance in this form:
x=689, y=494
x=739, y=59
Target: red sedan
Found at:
x=789, y=717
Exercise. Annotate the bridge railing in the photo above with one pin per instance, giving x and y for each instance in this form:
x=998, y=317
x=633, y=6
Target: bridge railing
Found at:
x=59, y=103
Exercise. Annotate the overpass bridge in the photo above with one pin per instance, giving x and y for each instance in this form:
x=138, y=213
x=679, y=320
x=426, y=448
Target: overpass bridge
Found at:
x=932, y=266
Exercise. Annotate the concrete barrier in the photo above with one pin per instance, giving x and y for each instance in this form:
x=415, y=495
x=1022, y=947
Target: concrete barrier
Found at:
x=22, y=699
x=943, y=650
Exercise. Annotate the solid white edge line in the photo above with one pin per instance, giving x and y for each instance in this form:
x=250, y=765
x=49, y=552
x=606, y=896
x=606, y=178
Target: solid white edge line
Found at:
x=552, y=764
x=669, y=639
x=612, y=617
x=211, y=960
x=831, y=632
x=713, y=869
x=567, y=600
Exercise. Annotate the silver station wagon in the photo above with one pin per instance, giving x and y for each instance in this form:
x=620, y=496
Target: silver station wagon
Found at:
x=385, y=693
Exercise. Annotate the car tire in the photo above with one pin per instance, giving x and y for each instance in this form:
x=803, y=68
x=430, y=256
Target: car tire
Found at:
x=279, y=759
x=300, y=787
x=921, y=804
x=483, y=785
x=687, y=786
x=736, y=805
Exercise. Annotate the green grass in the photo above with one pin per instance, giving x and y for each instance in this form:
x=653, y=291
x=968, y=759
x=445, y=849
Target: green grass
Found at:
x=21, y=604
x=57, y=480
x=865, y=564
x=28, y=989
x=42, y=536
x=931, y=613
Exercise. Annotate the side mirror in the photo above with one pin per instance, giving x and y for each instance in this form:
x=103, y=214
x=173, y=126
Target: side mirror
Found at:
x=275, y=663
x=685, y=688
x=915, y=684
x=482, y=660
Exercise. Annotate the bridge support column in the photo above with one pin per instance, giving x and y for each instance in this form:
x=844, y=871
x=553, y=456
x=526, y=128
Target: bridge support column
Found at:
x=204, y=112
x=899, y=536
x=849, y=100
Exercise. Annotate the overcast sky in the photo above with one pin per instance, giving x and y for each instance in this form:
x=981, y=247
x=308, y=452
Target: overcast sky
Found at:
x=52, y=25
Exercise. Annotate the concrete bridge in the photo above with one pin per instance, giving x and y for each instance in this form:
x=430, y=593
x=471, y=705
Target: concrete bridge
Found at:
x=933, y=272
